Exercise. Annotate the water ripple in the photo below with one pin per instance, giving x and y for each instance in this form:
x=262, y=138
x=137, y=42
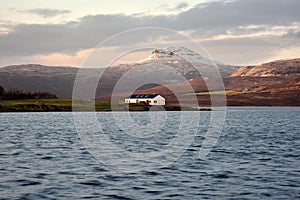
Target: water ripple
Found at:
x=257, y=157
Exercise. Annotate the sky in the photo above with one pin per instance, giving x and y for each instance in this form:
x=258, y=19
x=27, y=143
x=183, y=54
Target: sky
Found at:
x=65, y=32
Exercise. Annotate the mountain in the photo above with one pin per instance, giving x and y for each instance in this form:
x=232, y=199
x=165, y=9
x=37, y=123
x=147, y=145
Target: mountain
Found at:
x=57, y=80
x=277, y=68
x=240, y=91
x=186, y=61
x=163, y=64
x=29, y=70
x=274, y=83
x=270, y=84
x=34, y=78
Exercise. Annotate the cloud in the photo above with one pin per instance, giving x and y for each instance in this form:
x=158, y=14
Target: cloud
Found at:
x=182, y=5
x=241, y=19
x=171, y=8
x=30, y=39
x=224, y=14
x=294, y=34
x=47, y=13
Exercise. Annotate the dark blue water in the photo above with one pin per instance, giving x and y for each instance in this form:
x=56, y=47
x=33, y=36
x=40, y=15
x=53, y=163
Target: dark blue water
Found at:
x=256, y=157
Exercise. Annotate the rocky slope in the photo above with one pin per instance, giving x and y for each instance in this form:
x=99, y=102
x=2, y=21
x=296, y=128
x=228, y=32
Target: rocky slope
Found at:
x=240, y=91
x=271, y=84
x=276, y=68
x=188, y=62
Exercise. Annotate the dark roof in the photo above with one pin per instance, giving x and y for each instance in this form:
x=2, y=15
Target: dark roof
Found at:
x=142, y=96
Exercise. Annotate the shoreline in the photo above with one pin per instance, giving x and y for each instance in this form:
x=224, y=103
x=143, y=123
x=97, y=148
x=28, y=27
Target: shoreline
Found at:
x=67, y=105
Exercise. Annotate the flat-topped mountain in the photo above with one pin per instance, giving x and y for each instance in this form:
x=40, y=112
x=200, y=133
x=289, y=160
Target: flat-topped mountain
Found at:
x=39, y=70
x=34, y=78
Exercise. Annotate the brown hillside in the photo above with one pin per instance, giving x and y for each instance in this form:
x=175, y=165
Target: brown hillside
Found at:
x=276, y=68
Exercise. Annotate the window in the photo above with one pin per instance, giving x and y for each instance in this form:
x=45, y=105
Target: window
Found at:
x=155, y=101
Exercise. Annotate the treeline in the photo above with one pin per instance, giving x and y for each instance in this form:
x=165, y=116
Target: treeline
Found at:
x=18, y=94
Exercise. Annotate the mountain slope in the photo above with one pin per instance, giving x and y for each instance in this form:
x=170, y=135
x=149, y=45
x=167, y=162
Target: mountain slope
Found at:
x=277, y=68
x=34, y=78
x=271, y=84
x=186, y=61
x=240, y=91
x=57, y=80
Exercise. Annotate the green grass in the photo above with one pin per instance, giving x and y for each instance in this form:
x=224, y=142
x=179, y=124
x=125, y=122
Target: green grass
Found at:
x=57, y=102
x=37, y=105
x=59, y=105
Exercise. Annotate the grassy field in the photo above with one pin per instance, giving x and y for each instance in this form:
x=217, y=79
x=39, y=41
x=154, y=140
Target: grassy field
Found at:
x=40, y=105
x=60, y=105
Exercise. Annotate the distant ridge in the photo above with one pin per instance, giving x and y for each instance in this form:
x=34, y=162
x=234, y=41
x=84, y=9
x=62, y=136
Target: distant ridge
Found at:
x=287, y=67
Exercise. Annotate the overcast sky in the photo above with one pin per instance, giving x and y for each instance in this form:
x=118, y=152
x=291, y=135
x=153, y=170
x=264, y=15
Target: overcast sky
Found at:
x=64, y=32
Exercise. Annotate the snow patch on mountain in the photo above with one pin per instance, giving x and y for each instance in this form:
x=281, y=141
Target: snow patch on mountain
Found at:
x=173, y=54
x=188, y=62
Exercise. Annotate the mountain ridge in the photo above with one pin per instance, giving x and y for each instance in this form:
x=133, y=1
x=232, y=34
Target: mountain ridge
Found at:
x=264, y=81
x=284, y=67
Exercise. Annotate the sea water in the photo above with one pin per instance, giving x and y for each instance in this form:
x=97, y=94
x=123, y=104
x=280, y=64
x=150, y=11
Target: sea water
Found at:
x=256, y=156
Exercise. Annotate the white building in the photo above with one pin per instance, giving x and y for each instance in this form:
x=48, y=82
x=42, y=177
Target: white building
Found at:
x=148, y=99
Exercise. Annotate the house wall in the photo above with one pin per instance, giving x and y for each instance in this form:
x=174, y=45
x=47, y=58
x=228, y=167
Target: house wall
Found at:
x=144, y=100
x=127, y=100
x=158, y=100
